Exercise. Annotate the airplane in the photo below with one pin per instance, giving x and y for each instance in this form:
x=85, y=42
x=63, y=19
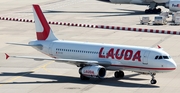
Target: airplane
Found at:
x=172, y=5
x=94, y=59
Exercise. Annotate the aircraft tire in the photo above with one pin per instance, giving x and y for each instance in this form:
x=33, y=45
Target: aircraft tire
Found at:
x=154, y=11
x=146, y=11
x=119, y=74
x=153, y=81
x=159, y=10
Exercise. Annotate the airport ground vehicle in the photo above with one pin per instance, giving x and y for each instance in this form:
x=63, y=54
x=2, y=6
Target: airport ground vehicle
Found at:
x=159, y=20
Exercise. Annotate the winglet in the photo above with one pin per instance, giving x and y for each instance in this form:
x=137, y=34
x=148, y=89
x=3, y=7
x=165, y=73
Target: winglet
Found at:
x=7, y=56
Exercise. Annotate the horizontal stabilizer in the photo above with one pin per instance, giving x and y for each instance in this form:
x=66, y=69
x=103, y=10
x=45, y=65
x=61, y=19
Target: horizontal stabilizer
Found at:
x=29, y=57
x=23, y=44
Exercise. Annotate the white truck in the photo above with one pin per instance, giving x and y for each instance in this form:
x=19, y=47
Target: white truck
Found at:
x=145, y=21
x=159, y=20
x=176, y=18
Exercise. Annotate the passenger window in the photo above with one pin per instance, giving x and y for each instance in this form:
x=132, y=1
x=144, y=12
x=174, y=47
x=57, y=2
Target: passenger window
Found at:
x=156, y=57
x=160, y=57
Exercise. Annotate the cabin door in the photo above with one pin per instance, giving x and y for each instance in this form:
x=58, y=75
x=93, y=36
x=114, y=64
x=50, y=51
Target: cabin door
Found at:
x=145, y=57
x=50, y=49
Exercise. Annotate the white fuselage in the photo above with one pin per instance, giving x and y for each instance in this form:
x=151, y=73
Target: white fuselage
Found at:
x=116, y=57
x=141, y=2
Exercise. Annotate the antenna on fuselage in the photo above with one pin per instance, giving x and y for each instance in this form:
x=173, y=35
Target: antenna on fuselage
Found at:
x=159, y=47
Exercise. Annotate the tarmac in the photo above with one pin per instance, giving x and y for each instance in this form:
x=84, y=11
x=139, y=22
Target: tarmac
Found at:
x=30, y=76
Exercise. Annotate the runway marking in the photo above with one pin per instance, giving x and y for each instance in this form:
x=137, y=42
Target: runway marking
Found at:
x=49, y=71
x=17, y=77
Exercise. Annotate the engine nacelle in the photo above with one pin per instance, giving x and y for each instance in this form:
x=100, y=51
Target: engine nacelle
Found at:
x=173, y=5
x=93, y=71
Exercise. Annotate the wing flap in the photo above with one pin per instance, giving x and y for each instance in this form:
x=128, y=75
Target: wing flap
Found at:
x=77, y=62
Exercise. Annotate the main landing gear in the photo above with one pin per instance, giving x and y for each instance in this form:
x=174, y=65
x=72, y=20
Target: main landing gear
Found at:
x=119, y=74
x=152, y=9
x=153, y=80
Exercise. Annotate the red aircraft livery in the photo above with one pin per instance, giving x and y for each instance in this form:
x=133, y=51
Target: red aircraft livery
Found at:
x=89, y=72
x=123, y=54
x=109, y=54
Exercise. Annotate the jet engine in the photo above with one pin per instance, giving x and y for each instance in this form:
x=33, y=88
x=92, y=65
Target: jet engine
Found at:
x=173, y=5
x=93, y=71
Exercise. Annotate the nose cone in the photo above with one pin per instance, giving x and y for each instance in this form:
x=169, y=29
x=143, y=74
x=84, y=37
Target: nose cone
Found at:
x=171, y=64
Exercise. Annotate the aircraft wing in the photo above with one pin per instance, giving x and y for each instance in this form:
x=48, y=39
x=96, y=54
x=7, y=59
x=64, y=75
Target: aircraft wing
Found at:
x=69, y=61
x=77, y=62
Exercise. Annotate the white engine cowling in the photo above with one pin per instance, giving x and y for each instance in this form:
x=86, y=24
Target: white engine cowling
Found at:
x=93, y=71
x=173, y=5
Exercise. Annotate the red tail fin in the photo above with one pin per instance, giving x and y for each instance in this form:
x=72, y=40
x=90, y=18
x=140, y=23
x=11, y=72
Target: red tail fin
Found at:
x=43, y=30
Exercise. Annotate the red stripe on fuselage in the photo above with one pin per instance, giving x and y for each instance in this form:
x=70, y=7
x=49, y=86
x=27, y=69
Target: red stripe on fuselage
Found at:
x=143, y=67
x=42, y=35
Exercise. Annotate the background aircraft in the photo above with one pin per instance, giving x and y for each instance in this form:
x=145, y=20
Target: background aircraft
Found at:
x=172, y=5
x=93, y=59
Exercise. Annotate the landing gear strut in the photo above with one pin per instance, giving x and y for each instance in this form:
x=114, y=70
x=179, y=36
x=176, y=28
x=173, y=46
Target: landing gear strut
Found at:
x=152, y=9
x=153, y=80
x=119, y=74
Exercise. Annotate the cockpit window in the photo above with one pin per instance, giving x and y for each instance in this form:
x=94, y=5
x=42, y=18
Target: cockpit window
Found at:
x=165, y=57
x=156, y=57
x=162, y=57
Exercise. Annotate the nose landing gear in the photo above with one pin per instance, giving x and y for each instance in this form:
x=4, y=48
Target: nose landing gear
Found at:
x=153, y=80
